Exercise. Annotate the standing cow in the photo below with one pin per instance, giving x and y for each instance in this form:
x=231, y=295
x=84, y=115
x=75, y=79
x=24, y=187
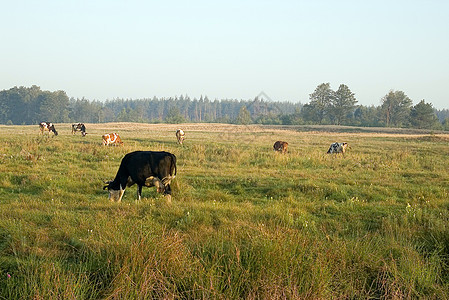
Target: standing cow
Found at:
x=280, y=146
x=112, y=138
x=47, y=126
x=338, y=148
x=144, y=168
x=180, y=135
x=79, y=127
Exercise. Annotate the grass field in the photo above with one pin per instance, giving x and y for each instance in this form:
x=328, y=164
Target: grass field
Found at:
x=244, y=221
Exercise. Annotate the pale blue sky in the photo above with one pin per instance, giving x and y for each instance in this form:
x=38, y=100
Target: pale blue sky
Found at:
x=227, y=49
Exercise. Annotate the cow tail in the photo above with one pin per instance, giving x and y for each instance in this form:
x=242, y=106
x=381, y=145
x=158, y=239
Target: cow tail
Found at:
x=172, y=173
x=173, y=166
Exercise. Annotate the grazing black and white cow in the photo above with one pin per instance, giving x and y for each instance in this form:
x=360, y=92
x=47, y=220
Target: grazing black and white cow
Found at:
x=180, y=135
x=337, y=148
x=47, y=126
x=280, y=146
x=144, y=168
x=79, y=127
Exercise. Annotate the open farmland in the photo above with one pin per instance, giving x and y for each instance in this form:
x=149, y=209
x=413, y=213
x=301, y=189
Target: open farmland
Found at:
x=244, y=222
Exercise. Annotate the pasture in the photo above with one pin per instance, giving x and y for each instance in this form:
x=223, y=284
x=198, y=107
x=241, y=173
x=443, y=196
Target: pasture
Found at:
x=244, y=222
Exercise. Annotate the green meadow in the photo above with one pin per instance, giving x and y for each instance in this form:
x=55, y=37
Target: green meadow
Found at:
x=244, y=222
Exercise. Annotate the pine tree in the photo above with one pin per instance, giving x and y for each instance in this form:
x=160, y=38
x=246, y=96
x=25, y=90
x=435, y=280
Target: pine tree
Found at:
x=244, y=117
x=422, y=115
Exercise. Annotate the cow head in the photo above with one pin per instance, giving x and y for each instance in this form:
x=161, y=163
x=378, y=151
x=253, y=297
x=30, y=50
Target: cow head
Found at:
x=115, y=195
x=52, y=128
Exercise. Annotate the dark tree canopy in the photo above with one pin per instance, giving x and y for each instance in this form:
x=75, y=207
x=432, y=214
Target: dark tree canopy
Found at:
x=32, y=105
x=422, y=115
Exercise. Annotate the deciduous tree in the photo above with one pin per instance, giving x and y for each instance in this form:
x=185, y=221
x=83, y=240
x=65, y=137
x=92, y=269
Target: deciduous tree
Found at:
x=320, y=101
x=395, y=108
x=342, y=104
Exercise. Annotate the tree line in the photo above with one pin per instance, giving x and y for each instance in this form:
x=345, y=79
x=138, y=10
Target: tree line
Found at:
x=31, y=105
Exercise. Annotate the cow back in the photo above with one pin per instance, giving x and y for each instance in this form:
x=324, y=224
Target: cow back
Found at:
x=111, y=138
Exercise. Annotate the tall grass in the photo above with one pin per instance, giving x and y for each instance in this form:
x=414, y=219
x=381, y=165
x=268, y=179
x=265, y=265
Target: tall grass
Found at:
x=245, y=222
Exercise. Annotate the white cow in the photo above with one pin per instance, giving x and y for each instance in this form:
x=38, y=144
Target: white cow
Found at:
x=180, y=135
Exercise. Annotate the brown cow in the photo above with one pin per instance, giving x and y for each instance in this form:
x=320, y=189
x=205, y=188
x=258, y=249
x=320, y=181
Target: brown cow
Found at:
x=112, y=138
x=280, y=146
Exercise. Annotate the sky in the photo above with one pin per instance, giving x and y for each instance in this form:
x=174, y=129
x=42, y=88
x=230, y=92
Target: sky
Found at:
x=234, y=49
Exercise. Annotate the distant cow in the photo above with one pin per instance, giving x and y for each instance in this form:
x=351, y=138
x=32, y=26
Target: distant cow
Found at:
x=79, y=127
x=144, y=168
x=47, y=126
x=180, y=135
x=111, y=138
x=337, y=148
x=280, y=146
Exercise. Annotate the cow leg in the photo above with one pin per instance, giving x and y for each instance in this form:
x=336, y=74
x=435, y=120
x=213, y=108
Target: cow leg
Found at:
x=167, y=190
x=122, y=191
x=167, y=193
x=161, y=188
x=168, y=198
x=139, y=192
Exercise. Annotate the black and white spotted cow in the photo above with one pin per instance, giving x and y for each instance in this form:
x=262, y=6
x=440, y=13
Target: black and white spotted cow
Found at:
x=144, y=168
x=79, y=127
x=47, y=126
x=337, y=148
